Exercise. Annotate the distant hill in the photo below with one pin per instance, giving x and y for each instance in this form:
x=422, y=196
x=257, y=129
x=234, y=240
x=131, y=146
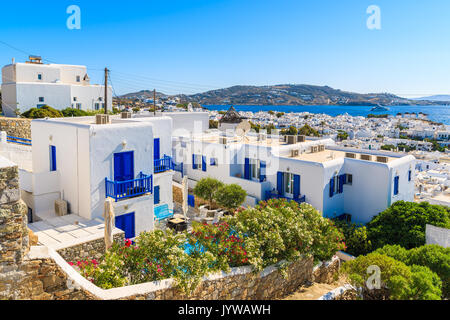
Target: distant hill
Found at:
x=442, y=97
x=289, y=94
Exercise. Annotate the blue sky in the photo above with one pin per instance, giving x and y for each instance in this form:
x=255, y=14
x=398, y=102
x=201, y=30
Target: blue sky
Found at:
x=194, y=46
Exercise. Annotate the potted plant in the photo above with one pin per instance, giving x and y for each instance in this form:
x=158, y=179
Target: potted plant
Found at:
x=207, y=189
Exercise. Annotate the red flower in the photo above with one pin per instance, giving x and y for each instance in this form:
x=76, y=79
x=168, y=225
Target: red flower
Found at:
x=128, y=243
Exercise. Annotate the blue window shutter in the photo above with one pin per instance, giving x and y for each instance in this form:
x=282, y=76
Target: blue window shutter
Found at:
x=204, y=168
x=332, y=187
x=157, y=149
x=280, y=183
x=52, y=158
x=262, y=171
x=157, y=195
x=341, y=183
x=296, y=187
x=409, y=175
x=396, y=185
x=247, y=169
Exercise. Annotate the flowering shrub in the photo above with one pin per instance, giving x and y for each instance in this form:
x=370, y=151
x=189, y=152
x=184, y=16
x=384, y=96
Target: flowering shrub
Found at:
x=226, y=246
x=279, y=230
x=272, y=232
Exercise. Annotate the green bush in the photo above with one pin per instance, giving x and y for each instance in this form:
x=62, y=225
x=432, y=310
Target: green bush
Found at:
x=207, y=188
x=43, y=112
x=435, y=257
x=280, y=230
x=230, y=196
x=404, y=224
x=398, y=281
x=71, y=112
x=356, y=238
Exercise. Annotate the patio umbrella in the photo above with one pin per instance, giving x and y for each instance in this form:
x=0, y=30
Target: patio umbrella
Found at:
x=108, y=215
x=185, y=191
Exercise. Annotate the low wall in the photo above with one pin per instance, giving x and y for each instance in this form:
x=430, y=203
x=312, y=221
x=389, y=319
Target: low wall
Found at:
x=326, y=272
x=239, y=284
x=88, y=250
x=16, y=127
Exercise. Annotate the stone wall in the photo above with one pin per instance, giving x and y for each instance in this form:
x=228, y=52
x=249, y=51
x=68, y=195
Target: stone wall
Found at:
x=13, y=229
x=24, y=276
x=242, y=284
x=88, y=250
x=327, y=272
x=16, y=127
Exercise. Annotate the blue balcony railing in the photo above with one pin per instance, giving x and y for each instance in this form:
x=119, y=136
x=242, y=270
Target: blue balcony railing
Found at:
x=179, y=168
x=119, y=190
x=164, y=164
x=22, y=141
x=272, y=195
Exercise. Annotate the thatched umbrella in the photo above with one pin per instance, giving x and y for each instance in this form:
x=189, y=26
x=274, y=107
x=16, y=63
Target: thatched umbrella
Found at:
x=108, y=215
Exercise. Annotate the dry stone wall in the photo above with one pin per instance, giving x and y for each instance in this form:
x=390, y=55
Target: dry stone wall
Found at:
x=88, y=250
x=16, y=127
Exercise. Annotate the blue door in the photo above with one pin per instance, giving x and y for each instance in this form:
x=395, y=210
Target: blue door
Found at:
x=191, y=201
x=126, y=223
x=157, y=149
x=124, y=166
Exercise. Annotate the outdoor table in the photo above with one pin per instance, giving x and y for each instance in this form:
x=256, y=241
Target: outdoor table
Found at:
x=178, y=224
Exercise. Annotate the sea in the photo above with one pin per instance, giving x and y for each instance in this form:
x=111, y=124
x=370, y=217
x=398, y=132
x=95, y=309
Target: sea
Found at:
x=438, y=113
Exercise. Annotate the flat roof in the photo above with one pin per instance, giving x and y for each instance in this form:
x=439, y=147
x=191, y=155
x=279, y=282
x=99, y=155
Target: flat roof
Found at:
x=250, y=140
x=330, y=155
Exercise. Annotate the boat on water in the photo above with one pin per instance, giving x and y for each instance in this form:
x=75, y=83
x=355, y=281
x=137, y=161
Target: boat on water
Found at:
x=379, y=108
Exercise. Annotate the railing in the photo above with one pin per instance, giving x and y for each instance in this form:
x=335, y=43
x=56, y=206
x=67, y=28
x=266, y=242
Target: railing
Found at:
x=119, y=190
x=179, y=168
x=22, y=141
x=164, y=164
x=271, y=195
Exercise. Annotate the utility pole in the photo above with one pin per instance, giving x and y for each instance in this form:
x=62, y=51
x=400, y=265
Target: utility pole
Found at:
x=106, y=90
x=154, y=102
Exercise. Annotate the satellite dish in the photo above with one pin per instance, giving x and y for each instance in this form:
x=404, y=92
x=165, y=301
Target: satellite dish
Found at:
x=243, y=128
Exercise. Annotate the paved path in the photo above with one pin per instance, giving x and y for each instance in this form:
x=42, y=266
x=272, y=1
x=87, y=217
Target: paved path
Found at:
x=67, y=231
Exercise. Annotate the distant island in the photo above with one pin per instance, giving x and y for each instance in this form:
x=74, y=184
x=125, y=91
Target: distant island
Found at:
x=289, y=95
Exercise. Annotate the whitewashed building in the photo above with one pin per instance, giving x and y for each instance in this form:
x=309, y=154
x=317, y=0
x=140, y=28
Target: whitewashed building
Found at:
x=83, y=163
x=34, y=84
x=335, y=180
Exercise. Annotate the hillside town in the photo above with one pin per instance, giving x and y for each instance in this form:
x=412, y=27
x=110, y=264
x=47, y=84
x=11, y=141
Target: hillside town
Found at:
x=162, y=194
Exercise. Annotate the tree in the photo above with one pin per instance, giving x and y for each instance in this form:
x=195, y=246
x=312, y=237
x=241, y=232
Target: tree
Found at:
x=207, y=189
x=404, y=224
x=43, y=112
x=213, y=124
x=306, y=130
x=342, y=135
x=292, y=131
x=280, y=114
x=230, y=196
x=435, y=257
